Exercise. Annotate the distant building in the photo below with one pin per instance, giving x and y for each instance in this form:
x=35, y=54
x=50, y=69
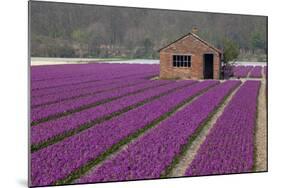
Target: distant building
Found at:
x=190, y=57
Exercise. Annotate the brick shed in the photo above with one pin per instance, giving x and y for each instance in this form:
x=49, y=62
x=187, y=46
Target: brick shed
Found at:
x=190, y=57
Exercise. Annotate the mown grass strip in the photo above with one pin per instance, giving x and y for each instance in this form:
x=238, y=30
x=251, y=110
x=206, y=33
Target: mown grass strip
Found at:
x=184, y=148
x=60, y=137
x=76, y=174
x=84, y=107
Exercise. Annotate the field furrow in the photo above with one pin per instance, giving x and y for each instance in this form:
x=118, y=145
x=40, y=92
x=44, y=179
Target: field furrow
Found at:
x=56, y=110
x=91, y=79
x=184, y=159
x=229, y=147
x=57, y=72
x=46, y=131
x=78, y=93
x=64, y=89
x=256, y=72
x=90, y=146
x=149, y=156
x=242, y=71
x=54, y=72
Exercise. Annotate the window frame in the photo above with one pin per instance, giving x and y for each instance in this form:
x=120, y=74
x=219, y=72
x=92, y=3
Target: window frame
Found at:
x=182, y=61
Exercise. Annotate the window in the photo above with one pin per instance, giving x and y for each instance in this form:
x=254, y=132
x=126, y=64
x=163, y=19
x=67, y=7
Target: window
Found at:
x=181, y=60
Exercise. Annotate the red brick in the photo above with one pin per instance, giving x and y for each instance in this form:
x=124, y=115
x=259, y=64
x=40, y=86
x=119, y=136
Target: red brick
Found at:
x=188, y=45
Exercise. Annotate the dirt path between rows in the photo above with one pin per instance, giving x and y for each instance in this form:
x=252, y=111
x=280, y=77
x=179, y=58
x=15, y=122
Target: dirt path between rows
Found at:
x=186, y=159
x=261, y=130
x=125, y=146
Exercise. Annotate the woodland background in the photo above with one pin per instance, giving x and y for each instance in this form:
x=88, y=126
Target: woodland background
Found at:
x=91, y=31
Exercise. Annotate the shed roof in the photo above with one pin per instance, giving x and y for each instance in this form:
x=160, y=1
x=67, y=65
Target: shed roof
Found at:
x=197, y=37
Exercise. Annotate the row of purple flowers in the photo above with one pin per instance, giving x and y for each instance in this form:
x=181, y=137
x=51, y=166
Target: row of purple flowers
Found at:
x=229, y=147
x=59, y=160
x=149, y=156
x=50, y=129
x=67, y=105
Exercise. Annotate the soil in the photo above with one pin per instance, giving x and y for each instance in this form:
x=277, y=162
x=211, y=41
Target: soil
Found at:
x=124, y=147
x=260, y=134
x=186, y=159
x=261, y=130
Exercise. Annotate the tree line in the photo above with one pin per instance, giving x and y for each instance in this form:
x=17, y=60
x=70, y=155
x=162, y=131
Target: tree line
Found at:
x=68, y=30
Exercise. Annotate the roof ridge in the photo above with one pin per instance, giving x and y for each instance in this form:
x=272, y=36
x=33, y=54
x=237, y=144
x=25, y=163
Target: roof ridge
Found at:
x=207, y=43
x=194, y=35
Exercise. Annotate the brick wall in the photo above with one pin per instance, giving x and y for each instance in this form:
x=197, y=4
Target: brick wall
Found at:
x=187, y=46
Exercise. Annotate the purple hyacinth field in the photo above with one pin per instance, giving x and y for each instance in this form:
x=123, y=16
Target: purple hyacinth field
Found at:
x=249, y=71
x=103, y=122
